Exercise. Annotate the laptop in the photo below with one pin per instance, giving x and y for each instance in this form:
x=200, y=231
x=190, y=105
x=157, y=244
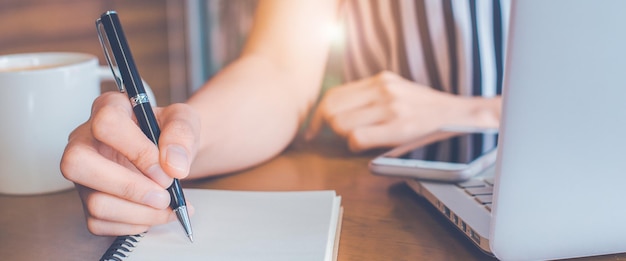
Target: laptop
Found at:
x=558, y=187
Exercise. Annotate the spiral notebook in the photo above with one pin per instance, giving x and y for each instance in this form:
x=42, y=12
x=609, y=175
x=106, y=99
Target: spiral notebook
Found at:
x=243, y=225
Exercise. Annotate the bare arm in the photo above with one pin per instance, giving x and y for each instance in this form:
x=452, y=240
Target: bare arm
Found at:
x=246, y=114
x=252, y=109
x=386, y=110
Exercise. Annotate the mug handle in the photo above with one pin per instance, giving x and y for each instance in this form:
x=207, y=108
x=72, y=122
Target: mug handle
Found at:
x=105, y=74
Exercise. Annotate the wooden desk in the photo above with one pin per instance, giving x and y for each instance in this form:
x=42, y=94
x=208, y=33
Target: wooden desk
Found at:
x=383, y=219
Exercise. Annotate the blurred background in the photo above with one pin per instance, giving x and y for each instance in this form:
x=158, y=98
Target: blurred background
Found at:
x=177, y=44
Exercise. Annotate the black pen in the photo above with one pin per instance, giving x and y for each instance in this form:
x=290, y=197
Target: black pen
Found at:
x=130, y=82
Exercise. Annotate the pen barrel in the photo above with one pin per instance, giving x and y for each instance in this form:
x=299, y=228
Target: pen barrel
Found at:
x=177, y=198
x=147, y=121
x=131, y=82
x=123, y=58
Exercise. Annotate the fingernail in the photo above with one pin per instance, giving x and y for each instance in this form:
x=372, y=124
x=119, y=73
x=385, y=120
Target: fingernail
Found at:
x=177, y=158
x=158, y=199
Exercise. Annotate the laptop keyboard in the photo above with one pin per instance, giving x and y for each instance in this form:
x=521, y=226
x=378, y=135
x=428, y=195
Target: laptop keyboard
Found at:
x=480, y=189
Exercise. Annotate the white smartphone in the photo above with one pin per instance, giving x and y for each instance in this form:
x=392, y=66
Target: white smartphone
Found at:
x=446, y=155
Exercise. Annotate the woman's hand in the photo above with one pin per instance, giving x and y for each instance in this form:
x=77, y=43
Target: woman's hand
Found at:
x=386, y=110
x=120, y=175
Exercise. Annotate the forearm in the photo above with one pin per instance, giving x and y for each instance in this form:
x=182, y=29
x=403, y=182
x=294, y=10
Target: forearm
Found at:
x=249, y=112
x=252, y=109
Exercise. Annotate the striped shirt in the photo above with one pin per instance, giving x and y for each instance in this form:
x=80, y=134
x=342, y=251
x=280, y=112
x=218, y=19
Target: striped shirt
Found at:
x=455, y=46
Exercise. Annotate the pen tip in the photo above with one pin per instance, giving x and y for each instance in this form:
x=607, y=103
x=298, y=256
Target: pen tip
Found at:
x=190, y=237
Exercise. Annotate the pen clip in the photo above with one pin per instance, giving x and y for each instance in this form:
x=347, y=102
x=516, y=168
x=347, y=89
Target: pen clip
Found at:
x=109, y=58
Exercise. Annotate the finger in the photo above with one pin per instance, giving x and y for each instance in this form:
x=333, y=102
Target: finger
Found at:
x=113, y=125
x=346, y=122
x=83, y=164
x=109, y=208
x=108, y=228
x=340, y=99
x=351, y=96
x=180, y=133
x=377, y=136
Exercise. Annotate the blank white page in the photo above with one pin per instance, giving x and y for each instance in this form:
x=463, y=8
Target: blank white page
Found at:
x=244, y=225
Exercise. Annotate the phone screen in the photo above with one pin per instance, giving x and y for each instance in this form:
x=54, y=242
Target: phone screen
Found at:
x=462, y=148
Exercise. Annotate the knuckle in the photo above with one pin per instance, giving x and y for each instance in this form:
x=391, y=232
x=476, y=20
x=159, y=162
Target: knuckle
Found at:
x=93, y=225
x=129, y=190
x=385, y=77
x=386, y=74
x=387, y=85
x=105, y=120
x=74, y=135
x=108, y=97
x=71, y=159
x=145, y=156
x=103, y=100
x=100, y=101
x=78, y=131
x=96, y=206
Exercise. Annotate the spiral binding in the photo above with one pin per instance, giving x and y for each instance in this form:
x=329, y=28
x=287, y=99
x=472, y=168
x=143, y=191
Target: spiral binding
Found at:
x=120, y=247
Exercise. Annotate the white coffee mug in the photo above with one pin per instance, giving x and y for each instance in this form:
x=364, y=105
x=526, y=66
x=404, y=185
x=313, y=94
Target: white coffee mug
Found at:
x=43, y=97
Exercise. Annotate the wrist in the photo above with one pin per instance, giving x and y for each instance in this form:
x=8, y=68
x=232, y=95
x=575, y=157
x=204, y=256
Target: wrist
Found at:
x=485, y=112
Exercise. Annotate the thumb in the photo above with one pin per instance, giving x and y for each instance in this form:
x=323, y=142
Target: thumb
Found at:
x=180, y=132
